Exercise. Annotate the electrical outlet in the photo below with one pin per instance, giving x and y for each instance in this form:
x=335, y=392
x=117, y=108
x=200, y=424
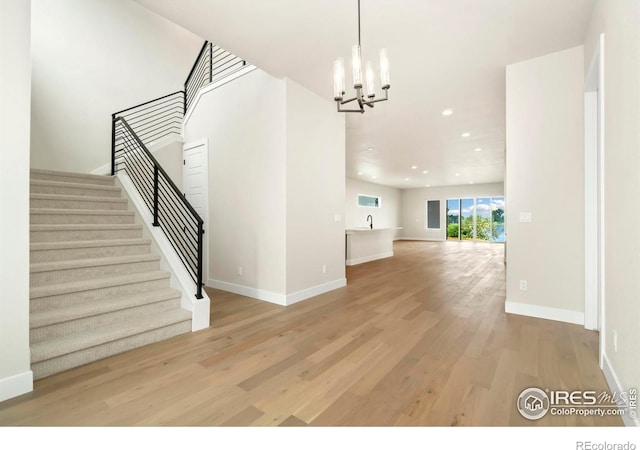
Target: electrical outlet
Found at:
x=337, y=218
x=523, y=285
x=324, y=269
x=240, y=271
x=615, y=341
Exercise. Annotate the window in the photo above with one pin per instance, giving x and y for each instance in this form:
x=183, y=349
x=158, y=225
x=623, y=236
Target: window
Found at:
x=369, y=201
x=433, y=214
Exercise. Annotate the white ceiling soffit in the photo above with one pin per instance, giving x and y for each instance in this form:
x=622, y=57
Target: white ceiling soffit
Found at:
x=443, y=54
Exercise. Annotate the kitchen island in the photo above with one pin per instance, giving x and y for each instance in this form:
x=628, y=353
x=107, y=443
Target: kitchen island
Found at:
x=366, y=244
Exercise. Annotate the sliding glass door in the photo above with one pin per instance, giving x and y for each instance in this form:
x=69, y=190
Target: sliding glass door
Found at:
x=453, y=219
x=480, y=219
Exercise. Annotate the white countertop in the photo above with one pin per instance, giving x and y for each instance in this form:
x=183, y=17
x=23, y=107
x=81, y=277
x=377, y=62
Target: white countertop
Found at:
x=361, y=229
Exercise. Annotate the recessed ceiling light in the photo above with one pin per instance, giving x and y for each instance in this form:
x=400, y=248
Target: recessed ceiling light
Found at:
x=425, y=171
x=406, y=179
x=447, y=112
x=457, y=174
x=414, y=167
x=466, y=134
x=370, y=149
x=470, y=182
x=359, y=173
x=478, y=149
x=374, y=177
x=428, y=185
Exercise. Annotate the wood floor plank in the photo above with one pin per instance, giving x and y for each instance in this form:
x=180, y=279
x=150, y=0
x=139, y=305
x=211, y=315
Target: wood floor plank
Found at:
x=418, y=339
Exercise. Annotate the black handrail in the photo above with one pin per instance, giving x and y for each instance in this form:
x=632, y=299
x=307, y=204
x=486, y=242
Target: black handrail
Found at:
x=131, y=154
x=146, y=103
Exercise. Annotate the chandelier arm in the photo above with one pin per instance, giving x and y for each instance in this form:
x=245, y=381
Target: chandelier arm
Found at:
x=349, y=100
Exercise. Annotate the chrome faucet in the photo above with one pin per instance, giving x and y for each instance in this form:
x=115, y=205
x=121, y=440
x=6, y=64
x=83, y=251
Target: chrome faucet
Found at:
x=370, y=217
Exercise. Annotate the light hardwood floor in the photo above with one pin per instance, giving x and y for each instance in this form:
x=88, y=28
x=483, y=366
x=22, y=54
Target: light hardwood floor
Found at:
x=417, y=339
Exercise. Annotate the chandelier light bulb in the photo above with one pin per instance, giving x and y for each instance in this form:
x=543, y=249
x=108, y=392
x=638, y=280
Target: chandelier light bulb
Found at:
x=384, y=69
x=371, y=88
x=356, y=60
x=338, y=79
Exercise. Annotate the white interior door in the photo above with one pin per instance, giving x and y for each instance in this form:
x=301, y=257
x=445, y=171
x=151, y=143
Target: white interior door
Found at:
x=195, y=186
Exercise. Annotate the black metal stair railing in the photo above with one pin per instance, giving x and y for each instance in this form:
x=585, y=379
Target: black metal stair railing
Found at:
x=134, y=129
x=212, y=63
x=155, y=119
x=179, y=221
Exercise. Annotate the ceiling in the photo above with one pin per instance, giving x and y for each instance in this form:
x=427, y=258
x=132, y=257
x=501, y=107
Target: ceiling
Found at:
x=444, y=54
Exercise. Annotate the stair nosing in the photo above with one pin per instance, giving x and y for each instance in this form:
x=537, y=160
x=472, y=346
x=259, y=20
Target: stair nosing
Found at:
x=90, y=176
x=40, y=319
x=68, y=184
x=52, y=266
x=103, y=335
x=64, y=245
x=80, y=212
x=96, y=283
x=84, y=226
x=43, y=196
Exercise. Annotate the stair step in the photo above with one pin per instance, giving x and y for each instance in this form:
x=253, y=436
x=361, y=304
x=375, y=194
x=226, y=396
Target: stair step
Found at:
x=55, y=323
x=84, y=232
x=59, y=354
x=77, y=292
x=90, y=269
x=84, y=178
x=67, y=250
x=66, y=188
x=77, y=202
x=77, y=216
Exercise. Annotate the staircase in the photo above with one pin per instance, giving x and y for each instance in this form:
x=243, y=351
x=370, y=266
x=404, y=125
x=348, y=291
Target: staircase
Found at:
x=95, y=287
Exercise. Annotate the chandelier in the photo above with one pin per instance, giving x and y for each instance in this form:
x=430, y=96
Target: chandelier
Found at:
x=363, y=99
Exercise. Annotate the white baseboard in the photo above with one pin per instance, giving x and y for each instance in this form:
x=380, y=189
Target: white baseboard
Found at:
x=259, y=294
x=272, y=297
x=353, y=262
x=315, y=290
x=544, y=312
x=418, y=239
x=615, y=386
x=16, y=385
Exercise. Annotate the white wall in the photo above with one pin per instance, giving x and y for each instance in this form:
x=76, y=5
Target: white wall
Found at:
x=92, y=58
x=315, y=190
x=170, y=157
x=414, y=207
x=389, y=215
x=544, y=176
x=245, y=123
x=15, y=91
x=620, y=21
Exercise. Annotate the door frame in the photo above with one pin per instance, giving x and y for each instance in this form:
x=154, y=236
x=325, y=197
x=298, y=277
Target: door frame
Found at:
x=205, y=239
x=594, y=151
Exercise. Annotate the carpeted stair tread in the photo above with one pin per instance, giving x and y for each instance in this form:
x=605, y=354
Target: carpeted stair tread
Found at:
x=65, y=314
x=85, y=178
x=98, y=283
x=87, y=212
x=80, y=198
x=60, y=245
x=66, y=184
x=85, y=226
x=93, y=262
x=45, y=350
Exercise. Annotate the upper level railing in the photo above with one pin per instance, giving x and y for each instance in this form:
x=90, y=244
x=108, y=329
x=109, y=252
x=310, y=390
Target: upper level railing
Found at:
x=212, y=64
x=171, y=211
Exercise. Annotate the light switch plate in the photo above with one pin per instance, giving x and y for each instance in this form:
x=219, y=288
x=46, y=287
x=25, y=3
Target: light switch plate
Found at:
x=525, y=217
